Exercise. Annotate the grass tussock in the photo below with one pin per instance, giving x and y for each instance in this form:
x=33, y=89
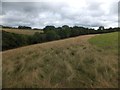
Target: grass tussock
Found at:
x=65, y=63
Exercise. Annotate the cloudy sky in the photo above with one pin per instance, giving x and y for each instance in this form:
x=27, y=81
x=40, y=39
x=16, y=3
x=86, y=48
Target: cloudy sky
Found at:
x=39, y=13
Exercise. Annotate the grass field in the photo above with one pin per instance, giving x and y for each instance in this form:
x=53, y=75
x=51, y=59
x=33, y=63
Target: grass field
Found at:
x=106, y=41
x=76, y=62
x=22, y=31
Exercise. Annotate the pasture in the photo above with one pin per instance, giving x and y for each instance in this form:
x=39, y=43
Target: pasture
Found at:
x=87, y=61
x=22, y=31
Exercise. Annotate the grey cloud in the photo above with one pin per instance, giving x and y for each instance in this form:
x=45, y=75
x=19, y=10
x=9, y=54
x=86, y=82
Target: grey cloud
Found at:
x=114, y=8
x=40, y=14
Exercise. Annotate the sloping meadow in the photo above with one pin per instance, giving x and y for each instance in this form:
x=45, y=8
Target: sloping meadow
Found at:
x=75, y=62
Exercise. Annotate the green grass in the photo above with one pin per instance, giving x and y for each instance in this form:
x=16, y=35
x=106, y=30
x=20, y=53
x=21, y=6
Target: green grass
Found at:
x=106, y=41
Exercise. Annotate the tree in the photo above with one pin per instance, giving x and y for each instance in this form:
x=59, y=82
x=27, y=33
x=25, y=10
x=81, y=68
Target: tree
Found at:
x=38, y=38
x=52, y=35
x=24, y=27
x=48, y=28
x=65, y=27
x=65, y=32
x=101, y=28
x=12, y=40
x=75, y=31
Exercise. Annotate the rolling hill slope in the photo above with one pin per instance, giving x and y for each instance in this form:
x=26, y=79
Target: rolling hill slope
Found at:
x=22, y=31
x=74, y=62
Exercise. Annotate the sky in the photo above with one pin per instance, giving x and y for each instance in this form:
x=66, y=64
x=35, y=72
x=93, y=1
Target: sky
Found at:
x=40, y=13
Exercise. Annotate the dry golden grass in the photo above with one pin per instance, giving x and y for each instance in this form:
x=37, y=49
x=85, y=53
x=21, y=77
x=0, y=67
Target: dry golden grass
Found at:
x=65, y=63
x=22, y=31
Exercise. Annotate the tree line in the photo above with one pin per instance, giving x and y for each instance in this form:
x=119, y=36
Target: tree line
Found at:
x=11, y=40
x=20, y=27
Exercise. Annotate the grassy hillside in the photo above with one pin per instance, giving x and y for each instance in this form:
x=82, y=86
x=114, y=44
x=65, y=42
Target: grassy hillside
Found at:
x=106, y=41
x=71, y=63
x=22, y=31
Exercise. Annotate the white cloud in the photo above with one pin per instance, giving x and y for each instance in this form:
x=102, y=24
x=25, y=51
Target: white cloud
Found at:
x=90, y=13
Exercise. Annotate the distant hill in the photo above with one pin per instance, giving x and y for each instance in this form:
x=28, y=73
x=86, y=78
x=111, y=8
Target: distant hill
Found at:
x=22, y=31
